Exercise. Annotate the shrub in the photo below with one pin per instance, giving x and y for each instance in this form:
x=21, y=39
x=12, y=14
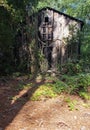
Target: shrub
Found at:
x=59, y=86
x=84, y=95
x=71, y=68
x=77, y=83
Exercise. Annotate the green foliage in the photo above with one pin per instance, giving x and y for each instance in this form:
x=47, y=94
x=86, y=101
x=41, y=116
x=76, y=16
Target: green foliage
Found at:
x=22, y=86
x=77, y=83
x=71, y=68
x=80, y=9
x=67, y=84
x=84, y=95
x=59, y=87
x=44, y=91
x=6, y=39
x=14, y=13
x=84, y=81
x=16, y=74
x=71, y=103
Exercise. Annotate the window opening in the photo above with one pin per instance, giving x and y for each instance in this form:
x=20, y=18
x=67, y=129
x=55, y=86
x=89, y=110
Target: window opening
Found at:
x=44, y=36
x=46, y=19
x=49, y=36
x=44, y=29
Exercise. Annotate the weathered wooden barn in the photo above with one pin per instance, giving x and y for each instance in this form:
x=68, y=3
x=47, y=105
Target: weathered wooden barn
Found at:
x=58, y=36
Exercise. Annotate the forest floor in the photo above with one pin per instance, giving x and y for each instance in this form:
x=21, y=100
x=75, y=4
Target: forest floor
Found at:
x=18, y=112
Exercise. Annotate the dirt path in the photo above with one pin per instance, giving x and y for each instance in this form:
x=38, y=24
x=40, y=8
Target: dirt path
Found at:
x=48, y=114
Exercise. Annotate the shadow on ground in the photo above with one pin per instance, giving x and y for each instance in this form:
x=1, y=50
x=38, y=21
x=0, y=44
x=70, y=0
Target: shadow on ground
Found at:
x=8, y=89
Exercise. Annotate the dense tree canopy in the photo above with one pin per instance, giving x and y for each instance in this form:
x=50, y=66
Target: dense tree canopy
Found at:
x=14, y=20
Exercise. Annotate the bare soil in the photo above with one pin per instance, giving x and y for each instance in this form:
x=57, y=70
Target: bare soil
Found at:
x=18, y=112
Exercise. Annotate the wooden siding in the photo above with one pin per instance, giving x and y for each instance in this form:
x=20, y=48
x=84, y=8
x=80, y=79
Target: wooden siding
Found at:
x=54, y=32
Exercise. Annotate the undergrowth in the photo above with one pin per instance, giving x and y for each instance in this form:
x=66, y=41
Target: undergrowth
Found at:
x=43, y=92
x=67, y=84
x=77, y=85
x=71, y=103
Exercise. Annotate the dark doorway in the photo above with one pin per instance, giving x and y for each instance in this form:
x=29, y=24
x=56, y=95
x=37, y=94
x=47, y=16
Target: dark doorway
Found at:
x=48, y=55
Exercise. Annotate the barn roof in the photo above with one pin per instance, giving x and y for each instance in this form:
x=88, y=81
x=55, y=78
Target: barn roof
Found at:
x=73, y=18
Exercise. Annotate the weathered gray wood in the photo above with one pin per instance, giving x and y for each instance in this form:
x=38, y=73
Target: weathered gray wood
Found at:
x=63, y=30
